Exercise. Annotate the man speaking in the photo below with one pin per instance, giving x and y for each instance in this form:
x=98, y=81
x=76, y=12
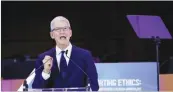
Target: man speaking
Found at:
x=65, y=65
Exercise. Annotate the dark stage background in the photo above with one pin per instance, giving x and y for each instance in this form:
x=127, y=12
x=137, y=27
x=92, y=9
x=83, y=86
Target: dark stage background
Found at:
x=101, y=27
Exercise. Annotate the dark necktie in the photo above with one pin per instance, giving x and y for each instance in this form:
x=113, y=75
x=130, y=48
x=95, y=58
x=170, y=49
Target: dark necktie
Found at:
x=63, y=65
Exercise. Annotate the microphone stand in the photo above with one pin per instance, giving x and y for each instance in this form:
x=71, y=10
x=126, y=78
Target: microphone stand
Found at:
x=88, y=80
x=88, y=84
x=25, y=86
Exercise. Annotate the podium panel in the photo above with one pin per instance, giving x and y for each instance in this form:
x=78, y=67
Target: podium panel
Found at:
x=60, y=89
x=140, y=76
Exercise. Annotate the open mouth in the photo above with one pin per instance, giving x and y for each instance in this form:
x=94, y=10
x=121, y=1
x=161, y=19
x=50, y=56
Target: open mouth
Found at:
x=62, y=37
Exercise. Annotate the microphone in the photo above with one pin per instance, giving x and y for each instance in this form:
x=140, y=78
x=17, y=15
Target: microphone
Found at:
x=88, y=85
x=25, y=85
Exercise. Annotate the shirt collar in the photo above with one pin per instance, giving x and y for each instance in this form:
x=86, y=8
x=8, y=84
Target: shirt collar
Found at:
x=69, y=48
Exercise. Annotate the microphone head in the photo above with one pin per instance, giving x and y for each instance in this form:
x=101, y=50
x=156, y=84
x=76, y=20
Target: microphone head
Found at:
x=66, y=52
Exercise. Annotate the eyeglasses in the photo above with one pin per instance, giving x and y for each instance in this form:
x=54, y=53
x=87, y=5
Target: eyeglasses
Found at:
x=58, y=29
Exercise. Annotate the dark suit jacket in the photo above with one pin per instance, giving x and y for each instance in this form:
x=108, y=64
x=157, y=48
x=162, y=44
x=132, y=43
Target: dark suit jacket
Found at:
x=75, y=78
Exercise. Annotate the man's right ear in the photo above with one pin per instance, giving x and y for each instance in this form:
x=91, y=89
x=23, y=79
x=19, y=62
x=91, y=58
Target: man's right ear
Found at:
x=51, y=35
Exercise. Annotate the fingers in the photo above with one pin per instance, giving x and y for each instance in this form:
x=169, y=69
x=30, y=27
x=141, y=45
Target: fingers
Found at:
x=47, y=59
x=48, y=62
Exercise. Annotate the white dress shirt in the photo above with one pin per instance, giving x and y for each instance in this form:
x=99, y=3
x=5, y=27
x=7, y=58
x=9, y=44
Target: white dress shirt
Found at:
x=58, y=57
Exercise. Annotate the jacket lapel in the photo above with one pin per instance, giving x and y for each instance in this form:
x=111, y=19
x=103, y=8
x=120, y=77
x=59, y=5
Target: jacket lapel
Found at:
x=72, y=57
x=55, y=65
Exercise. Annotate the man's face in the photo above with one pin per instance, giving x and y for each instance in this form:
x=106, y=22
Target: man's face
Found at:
x=61, y=32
